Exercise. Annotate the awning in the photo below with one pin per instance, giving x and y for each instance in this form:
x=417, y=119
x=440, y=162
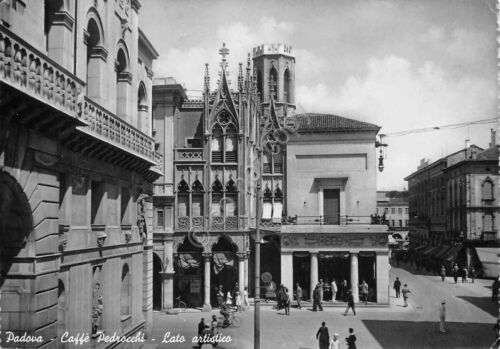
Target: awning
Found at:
x=451, y=254
x=442, y=251
x=489, y=257
x=428, y=249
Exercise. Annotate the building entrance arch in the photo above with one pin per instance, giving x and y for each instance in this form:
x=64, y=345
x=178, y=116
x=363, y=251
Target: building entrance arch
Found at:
x=157, y=282
x=224, y=265
x=16, y=222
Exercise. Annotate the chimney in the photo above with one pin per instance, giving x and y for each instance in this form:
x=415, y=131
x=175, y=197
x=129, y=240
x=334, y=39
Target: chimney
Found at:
x=493, y=142
x=467, y=149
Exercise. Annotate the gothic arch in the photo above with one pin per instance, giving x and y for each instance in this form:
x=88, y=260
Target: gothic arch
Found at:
x=122, y=57
x=93, y=15
x=224, y=243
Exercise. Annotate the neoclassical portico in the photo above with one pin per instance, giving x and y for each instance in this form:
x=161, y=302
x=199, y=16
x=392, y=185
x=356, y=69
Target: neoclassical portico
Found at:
x=348, y=241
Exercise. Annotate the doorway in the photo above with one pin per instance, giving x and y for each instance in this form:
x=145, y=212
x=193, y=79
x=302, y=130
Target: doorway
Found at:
x=302, y=272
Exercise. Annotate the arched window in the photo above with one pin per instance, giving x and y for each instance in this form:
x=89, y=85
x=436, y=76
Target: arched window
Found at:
x=125, y=298
x=217, y=191
x=231, y=145
x=123, y=80
x=286, y=88
x=142, y=110
x=197, y=189
x=488, y=190
x=217, y=144
x=267, y=163
x=273, y=83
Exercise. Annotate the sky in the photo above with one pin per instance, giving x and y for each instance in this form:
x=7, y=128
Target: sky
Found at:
x=399, y=64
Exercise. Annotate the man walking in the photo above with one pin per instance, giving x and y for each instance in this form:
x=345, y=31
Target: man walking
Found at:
x=320, y=284
x=323, y=336
x=464, y=275
x=405, y=294
x=350, y=303
x=334, y=290
x=443, y=273
x=442, y=317
x=317, y=299
x=397, y=287
x=286, y=301
x=299, y=296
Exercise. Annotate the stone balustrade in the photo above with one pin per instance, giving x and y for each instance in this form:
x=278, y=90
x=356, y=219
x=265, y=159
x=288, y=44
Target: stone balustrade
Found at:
x=189, y=154
x=163, y=189
x=24, y=67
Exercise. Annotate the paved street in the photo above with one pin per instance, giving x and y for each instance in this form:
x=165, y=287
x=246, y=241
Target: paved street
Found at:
x=470, y=318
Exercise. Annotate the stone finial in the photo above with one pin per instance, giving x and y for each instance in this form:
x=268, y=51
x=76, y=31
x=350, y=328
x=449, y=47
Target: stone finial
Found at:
x=207, y=78
x=240, y=77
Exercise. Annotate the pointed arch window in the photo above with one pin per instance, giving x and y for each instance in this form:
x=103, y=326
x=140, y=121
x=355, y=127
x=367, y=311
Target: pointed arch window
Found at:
x=286, y=88
x=267, y=163
x=487, y=190
x=217, y=207
x=273, y=83
x=123, y=80
x=182, y=198
x=143, y=122
x=197, y=198
x=217, y=144
x=231, y=145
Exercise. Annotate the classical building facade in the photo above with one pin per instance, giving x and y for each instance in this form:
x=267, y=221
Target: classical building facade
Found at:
x=392, y=209
x=453, y=211
x=77, y=163
x=226, y=142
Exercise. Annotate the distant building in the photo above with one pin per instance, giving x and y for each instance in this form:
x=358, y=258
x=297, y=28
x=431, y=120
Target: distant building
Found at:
x=454, y=211
x=392, y=208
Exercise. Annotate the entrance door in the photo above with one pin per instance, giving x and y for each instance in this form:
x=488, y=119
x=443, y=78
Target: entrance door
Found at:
x=302, y=272
x=331, y=206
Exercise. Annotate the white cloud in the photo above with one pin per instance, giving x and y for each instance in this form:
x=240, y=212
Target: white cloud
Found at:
x=397, y=96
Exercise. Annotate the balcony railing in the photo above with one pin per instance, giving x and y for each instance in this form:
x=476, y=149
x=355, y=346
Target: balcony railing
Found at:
x=158, y=158
x=163, y=189
x=31, y=71
x=185, y=223
x=189, y=154
x=329, y=220
x=111, y=129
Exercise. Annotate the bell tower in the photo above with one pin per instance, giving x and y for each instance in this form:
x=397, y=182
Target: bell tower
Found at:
x=275, y=66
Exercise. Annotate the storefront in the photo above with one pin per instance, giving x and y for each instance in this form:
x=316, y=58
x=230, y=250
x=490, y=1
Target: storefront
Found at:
x=351, y=253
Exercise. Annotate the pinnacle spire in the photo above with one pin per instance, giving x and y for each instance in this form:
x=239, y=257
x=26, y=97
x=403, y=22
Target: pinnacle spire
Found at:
x=207, y=78
x=240, y=77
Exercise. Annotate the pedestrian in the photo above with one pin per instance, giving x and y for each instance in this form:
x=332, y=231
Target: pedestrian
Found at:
x=236, y=288
x=472, y=274
x=464, y=275
x=246, y=302
x=317, y=299
x=334, y=290
x=286, y=301
x=350, y=303
x=343, y=290
x=323, y=337
x=220, y=295
x=351, y=340
x=335, y=342
x=320, y=284
x=405, y=292
x=443, y=273
x=204, y=339
x=364, y=291
x=229, y=298
x=397, y=287
x=238, y=301
x=201, y=328
x=494, y=290
x=299, y=296
x=214, y=329
x=455, y=273
x=442, y=317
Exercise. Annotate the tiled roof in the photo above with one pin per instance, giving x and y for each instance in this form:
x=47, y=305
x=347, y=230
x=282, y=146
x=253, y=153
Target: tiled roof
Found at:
x=491, y=153
x=311, y=122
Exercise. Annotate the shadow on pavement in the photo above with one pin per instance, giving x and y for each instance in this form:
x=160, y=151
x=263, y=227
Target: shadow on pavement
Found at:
x=413, y=335
x=483, y=303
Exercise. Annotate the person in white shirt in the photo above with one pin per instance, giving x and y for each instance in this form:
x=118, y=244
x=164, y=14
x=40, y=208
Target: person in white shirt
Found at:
x=334, y=290
x=246, y=302
x=335, y=342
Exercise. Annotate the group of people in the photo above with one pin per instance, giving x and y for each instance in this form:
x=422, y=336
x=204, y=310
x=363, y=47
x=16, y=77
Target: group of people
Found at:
x=233, y=298
x=398, y=291
x=323, y=337
x=207, y=332
x=457, y=272
x=283, y=299
x=329, y=290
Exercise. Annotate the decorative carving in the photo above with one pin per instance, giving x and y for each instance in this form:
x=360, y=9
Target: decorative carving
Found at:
x=231, y=222
x=217, y=186
x=197, y=223
x=218, y=223
x=141, y=217
x=183, y=187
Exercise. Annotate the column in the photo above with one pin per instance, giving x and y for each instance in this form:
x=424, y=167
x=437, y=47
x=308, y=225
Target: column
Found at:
x=382, y=276
x=241, y=272
x=206, y=290
x=247, y=255
x=168, y=275
x=314, y=273
x=287, y=271
x=354, y=276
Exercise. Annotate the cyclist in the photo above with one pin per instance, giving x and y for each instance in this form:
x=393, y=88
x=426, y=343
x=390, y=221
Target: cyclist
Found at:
x=224, y=310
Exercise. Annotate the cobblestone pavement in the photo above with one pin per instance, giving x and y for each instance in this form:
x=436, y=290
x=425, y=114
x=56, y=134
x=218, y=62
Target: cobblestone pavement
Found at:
x=470, y=318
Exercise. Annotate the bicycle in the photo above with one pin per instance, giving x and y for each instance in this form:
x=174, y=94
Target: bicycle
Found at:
x=179, y=304
x=234, y=321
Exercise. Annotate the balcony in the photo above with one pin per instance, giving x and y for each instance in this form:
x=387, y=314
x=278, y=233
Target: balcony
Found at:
x=35, y=89
x=186, y=223
x=189, y=154
x=163, y=189
x=44, y=96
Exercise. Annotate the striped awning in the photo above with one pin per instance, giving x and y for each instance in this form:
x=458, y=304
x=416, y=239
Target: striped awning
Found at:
x=442, y=251
x=490, y=260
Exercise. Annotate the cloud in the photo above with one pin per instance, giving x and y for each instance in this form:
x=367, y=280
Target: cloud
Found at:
x=397, y=96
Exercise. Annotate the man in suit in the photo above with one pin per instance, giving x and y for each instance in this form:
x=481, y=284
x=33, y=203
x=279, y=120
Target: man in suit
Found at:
x=299, y=296
x=317, y=299
x=323, y=336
